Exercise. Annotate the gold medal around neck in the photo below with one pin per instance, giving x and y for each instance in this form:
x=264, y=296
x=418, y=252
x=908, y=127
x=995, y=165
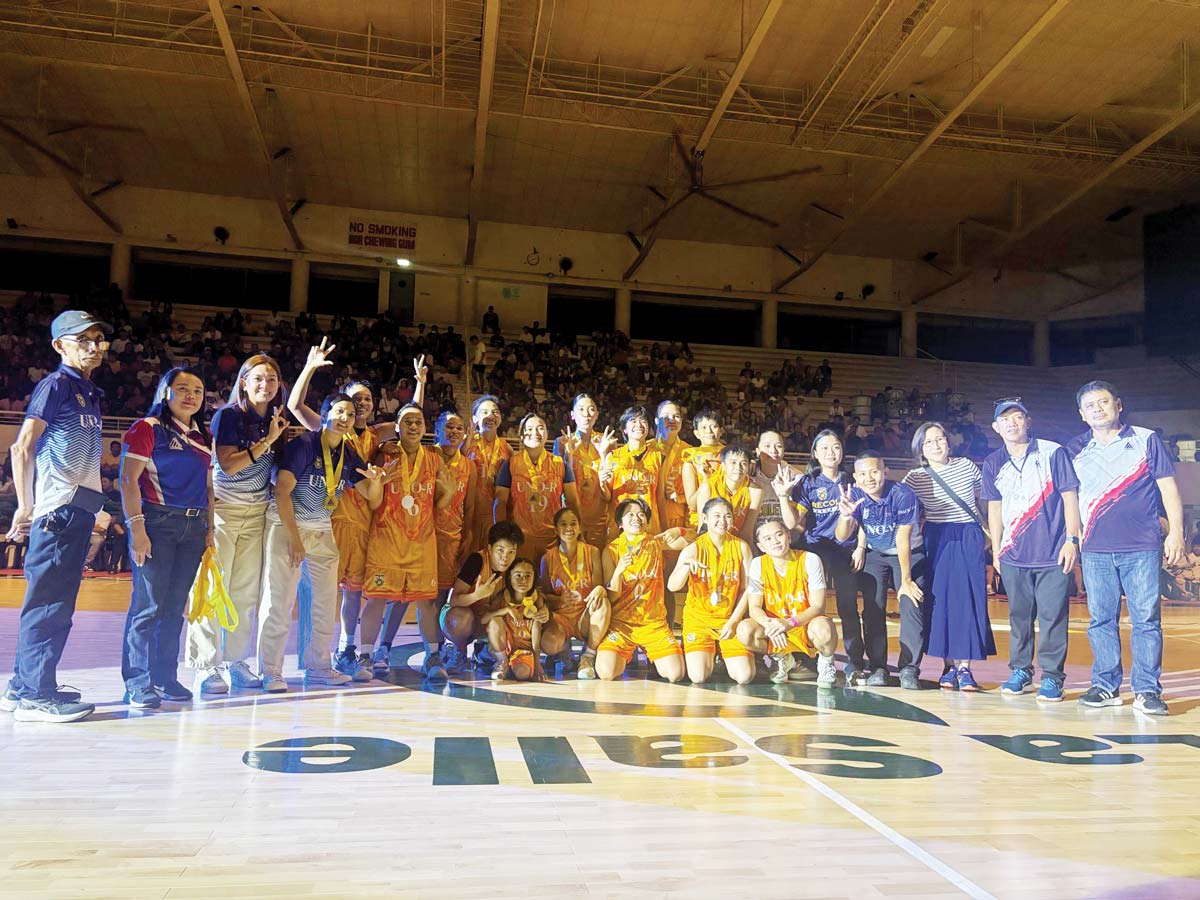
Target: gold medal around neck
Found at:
x=333, y=475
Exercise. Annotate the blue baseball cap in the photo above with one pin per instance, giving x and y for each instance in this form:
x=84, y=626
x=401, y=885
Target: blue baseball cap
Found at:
x=73, y=321
x=1003, y=406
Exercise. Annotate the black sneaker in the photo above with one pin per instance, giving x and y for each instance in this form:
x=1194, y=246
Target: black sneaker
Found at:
x=52, y=710
x=143, y=698
x=174, y=692
x=1098, y=696
x=1150, y=704
x=910, y=679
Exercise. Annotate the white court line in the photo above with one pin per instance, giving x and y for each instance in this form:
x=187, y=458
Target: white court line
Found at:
x=960, y=881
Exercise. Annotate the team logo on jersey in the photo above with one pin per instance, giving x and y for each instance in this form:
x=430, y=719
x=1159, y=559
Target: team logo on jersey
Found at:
x=691, y=638
x=80, y=400
x=176, y=444
x=379, y=581
x=822, y=493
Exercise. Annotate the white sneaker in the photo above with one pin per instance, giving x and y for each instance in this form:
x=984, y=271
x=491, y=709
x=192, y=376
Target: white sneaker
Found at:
x=211, y=681
x=826, y=672
x=326, y=677
x=784, y=663
x=274, y=684
x=240, y=676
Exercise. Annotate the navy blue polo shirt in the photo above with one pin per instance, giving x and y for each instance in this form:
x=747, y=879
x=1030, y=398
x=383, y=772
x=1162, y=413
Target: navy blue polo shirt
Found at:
x=880, y=518
x=819, y=496
x=1030, y=494
x=68, y=452
x=233, y=427
x=304, y=459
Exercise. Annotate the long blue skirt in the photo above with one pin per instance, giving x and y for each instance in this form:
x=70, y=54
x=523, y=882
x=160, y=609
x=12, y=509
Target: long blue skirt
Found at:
x=959, y=627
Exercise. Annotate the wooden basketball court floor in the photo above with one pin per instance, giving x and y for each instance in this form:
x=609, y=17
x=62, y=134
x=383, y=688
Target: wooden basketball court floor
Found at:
x=578, y=789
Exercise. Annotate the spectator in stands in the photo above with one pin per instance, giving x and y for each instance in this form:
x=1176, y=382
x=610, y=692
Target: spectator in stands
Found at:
x=954, y=532
x=491, y=321
x=166, y=489
x=826, y=378
x=62, y=427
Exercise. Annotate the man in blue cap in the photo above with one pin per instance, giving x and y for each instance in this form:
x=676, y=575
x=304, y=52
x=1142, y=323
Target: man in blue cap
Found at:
x=1032, y=497
x=61, y=437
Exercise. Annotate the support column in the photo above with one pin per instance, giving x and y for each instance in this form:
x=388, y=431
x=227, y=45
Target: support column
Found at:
x=624, y=311
x=298, y=294
x=908, y=333
x=769, y=332
x=119, y=263
x=384, y=291
x=1041, y=343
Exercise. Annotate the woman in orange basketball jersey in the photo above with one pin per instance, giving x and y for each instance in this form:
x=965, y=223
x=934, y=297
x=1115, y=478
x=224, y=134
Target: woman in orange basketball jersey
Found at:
x=786, y=603
x=477, y=588
x=732, y=482
x=572, y=579
x=533, y=485
x=634, y=469
x=450, y=525
x=488, y=451
x=585, y=452
x=713, y=569
x=633, y=575
x=701, y=461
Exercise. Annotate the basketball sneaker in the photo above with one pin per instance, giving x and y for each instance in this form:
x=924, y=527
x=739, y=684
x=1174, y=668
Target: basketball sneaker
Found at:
x=784, y=663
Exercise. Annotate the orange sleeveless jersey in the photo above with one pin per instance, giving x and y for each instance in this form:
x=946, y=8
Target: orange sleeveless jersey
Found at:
x=535, y=496
x=353, y=509
x=785, y=595
x=708, y=461
x=640, y=597
x=402, y=548
x=724, y=575
x=635, y=476
x=585, y=463
x=570, y=575
x=487, y=460
x=520, y=633
x=739, y=499
x=448, y=523
x=676, y=512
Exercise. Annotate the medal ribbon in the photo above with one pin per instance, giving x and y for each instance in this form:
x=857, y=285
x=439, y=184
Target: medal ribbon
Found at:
x=536, y=476
x=720, y=565
x=572, y=584
x=333, y=476
x=407, y=479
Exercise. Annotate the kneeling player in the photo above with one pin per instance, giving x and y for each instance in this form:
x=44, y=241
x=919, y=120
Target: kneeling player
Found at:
x=786, y=596
x=633, y=573
x=514, y=626
x=572, y=581
x=714, y=570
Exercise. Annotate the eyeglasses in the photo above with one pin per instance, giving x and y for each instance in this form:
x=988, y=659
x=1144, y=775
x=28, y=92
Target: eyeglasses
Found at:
x=86, y=344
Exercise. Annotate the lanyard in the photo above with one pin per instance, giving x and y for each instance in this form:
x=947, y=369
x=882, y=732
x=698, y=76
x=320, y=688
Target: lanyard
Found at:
x=573, y=583
x=333, y=476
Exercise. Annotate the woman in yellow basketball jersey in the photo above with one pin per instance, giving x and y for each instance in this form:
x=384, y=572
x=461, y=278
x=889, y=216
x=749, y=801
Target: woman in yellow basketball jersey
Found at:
x=533, y=485
x=634, y=469
x=514, y=626
x=701, y=461
x=571, y=577
x=713, y=569
x=585, y=452
x=732, y=482
x=633, y=575
x=674, y=451
x=488, y=451
x=786, y=602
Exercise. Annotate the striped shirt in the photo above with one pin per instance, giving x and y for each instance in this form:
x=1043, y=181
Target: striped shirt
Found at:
x=231, y=427
x=68, y=452
x=962, y=476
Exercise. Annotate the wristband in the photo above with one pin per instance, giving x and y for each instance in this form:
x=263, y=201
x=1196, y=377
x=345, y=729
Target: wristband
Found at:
x=791, y=621
x=137, y=518
x=250, y=450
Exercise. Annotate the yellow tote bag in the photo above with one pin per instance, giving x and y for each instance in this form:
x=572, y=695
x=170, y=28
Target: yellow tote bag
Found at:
x=208, y=597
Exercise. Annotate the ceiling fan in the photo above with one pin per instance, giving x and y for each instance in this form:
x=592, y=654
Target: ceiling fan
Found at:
x=694, y=164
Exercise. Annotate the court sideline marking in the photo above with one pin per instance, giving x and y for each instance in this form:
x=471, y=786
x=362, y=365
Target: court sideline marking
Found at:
x=956, y=878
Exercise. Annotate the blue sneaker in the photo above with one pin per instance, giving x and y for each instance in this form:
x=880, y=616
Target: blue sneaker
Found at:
x=1051, y=690
x=966, y=681
x=949, y=680
x=1018, y=682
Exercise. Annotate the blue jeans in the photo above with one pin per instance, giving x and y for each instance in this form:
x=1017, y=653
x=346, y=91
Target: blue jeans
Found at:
x=58, y=545
x=1106, y=575
x=150, y=655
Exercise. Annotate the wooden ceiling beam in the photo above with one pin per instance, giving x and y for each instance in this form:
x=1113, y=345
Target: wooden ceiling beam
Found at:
x=487, y=72
x=985, y=81
x=260, y=137
x=738, y=73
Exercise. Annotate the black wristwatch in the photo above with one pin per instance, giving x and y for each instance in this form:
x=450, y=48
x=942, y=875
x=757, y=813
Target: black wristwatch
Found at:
x=1073, y=539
